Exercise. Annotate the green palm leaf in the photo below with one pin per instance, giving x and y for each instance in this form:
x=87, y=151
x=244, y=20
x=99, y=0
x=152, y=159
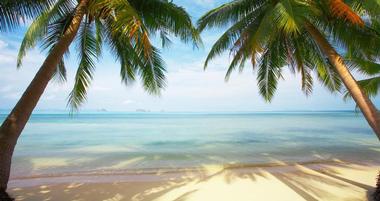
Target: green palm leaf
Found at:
x=39, y=28
x=88, y=53
x=166, y=17
x=15, y=12
x=272, y=35
x=370, y=86
x=269, y=69
x=126, y=27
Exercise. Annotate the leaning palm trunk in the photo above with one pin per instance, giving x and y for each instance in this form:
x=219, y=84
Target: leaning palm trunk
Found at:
x=13, y=125
x=368, y=109
x=376, y=194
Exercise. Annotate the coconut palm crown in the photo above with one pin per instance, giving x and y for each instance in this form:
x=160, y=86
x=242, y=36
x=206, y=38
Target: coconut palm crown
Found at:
x=271, y=35
x=304, y=35
x=125, y=27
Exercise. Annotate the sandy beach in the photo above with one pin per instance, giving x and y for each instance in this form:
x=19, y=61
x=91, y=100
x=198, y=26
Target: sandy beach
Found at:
x=189, y=100
x=196, y=157
x=313, y=181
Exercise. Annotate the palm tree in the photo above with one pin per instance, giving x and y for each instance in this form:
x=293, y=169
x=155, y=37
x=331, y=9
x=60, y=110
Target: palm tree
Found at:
x=302, y=34
x=371, y=84
x=15, y=12
x=124, y=26
x=12, y=14
x=376, y=194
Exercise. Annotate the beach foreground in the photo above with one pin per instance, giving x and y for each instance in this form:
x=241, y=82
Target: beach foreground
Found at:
x=324, y=180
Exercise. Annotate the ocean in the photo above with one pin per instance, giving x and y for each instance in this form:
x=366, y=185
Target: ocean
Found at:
x=60, y=143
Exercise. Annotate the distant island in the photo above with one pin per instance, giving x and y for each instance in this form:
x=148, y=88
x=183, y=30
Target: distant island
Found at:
x=142, y=110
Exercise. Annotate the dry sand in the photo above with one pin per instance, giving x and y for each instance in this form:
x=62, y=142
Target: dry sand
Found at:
x=340, y=181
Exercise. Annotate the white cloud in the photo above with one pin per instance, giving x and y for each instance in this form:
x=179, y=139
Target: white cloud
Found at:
x=48, y=97
x=127, y=102
x=13, y=95
x=3, y=44
x=100, y=88
x=5, y=89
x=6, y=58
x=34, y=57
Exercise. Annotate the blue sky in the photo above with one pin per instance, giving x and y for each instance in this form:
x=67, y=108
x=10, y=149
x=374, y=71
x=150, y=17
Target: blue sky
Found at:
x=190, y=88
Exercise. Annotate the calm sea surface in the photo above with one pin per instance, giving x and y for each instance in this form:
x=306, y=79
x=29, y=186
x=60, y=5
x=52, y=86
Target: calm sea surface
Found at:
x=58, y=143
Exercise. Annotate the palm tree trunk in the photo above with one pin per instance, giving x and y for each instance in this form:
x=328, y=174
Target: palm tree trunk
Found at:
x=13, y=125
x=376, y=194
x=368, y=109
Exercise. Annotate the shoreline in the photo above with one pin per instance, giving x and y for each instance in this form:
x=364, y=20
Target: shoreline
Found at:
x=314, y=180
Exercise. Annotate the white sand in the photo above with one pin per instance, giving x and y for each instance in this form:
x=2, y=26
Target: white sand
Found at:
x=313, y=182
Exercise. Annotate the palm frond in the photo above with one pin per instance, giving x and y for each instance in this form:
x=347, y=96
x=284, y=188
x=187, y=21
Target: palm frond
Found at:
x=371, y=87
x=153, y=73
x=365, y=66
x=15, y=12
x=39, y=28
x=229, y=38
x=134, y=61
x=341, y=10
x=288, y=15
x=228, y=13
x=60, y=74
x=329, y=77
x=88, y=53
x=270, y=68
x=167, y=18
x=122, y=49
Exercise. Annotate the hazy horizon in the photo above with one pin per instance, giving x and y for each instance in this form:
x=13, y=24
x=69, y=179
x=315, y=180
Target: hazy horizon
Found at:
x=147, y=111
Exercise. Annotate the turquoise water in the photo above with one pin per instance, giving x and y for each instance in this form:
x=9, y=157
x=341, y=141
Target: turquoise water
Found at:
x=58, y=143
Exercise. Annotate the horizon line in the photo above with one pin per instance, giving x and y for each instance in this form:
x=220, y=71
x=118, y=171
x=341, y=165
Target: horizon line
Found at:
x=138, y=111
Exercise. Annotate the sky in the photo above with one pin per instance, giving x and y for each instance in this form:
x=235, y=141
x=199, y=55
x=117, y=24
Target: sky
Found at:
x=189, y=87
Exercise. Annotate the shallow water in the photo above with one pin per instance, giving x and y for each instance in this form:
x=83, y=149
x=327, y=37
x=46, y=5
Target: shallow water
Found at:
x=58, y=143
